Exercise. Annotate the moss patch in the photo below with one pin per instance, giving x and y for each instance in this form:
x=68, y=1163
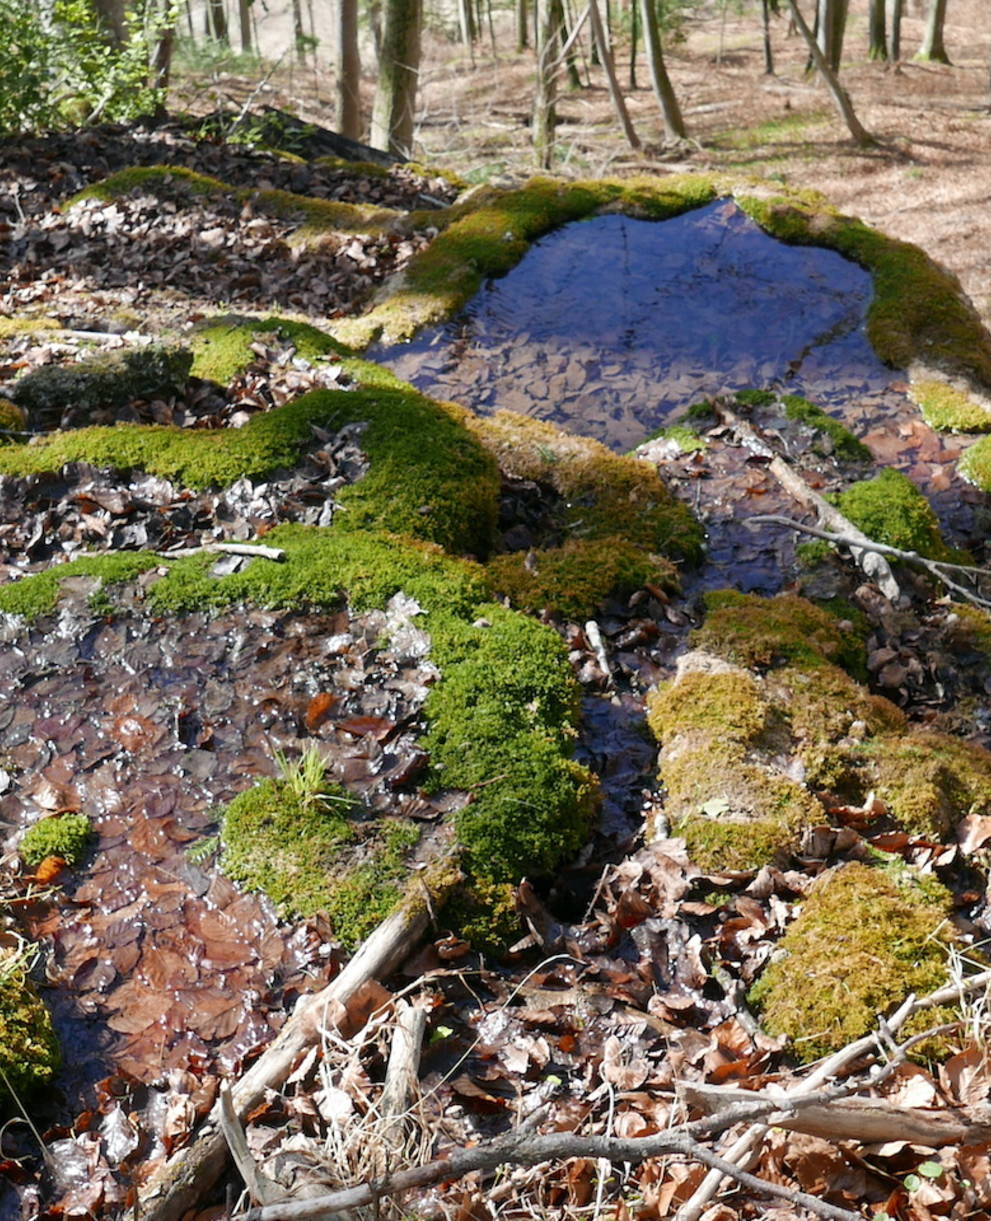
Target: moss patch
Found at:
x=729, y=703
x=12, y=417
x=572, y=581
x=930, y=781
x=29, y=1051
x=842, y=441
x=975, y=464
x=948, y=408
x=38, y=594
x=103, y=381
x=66, y=835
x=316, y=855
x=222, y=346
x=890, y=509
x=862, y=942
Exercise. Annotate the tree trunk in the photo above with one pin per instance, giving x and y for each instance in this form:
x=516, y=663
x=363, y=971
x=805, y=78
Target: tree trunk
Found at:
x=244, y=20
x=932, y=45
x=298, y=33
x=768, y=52
x=831, y=17
x=522, y=25
x=545, y=93
x=860, y=135
x=674, y=124
x=895, y=30
x=634, y=37
x=466, y=21
x=877, y=33
x=347, y=70
x=217, y=21
x=399, y=67
x=161, y=55
x=112, y=17
x=605, y=57
x=567, y=50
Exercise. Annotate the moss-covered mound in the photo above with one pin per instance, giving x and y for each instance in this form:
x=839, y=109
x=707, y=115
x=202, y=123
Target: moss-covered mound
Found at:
x=864, y=939
x=950, y=408
x=65, y=836
x=222, y=346
x=761, y=721
x=890, y=509
x=29, y=1050
x=975, y=464
x=316, y=217
x=102, y=381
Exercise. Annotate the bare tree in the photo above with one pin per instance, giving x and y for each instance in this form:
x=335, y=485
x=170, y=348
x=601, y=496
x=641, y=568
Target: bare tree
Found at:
x=765, y=7
x=609, y=67
x=877, y=31
x=244, y=22
x=831, y=26
x=545, y=93
x=347, y=70
x=216, y=21
x=399, y=66
x=674, y=124
x=932, y=45
x=839, y=94
x=522, y=24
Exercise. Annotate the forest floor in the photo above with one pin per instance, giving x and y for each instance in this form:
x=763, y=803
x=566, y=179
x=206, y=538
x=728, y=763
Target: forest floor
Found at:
x=164, y=976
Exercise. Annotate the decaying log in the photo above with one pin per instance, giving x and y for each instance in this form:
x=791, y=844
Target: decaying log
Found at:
x=867, y=1120
x=190, y=1172
x=873, y=565
x=402, y=1071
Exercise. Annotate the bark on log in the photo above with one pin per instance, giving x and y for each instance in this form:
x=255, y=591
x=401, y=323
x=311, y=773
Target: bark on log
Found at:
x=182, y=1180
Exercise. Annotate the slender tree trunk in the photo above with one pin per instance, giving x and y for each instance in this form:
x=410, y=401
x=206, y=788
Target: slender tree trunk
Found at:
x=298, y=33
x=932, y=45
x=634, y=34
x=399, y=65
x=561, y=25
x=895, y=30
x=375, y=21
x=161, y=55
x=877, y=32
x=112, y=16
x=466, y=22
x=522, y=25
x=839, y=95
x=347, y=70
x=244, y=20
x=831, y=17
x=545, y=94
x=217, y=21
x=768, y=51
x=674, y=124
x=606, y=59
x=189, y=19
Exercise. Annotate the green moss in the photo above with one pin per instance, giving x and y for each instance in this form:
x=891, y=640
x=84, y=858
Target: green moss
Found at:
x=12, y=417
x=429, y=477
x=16, y=327
x=843, y=443
x=572, y=581
x=604, y=494
x=316, y=855
x=222, y=346
x=890, y=509
x=760, y=633
x=949, y=409
x=728, y=703
x=969, y=628
x=104, y=380
x=29, y=1051
x=861, y=943
x=65, y=835
x=484, y=913
x=930, y=781
x=685, y=437
x=38, y=594
x=975, y=464
x=172, y=182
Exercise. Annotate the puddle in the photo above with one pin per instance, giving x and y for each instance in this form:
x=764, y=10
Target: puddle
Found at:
x=609, y=326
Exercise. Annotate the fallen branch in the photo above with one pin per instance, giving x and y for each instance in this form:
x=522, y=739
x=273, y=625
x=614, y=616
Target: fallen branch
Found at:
x=253, y=550
x=864, y=552
x=187, y=1174
x=403, y=1070
x=940, y=569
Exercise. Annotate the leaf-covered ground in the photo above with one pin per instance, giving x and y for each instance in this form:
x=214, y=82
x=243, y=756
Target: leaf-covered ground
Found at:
x=632, y=966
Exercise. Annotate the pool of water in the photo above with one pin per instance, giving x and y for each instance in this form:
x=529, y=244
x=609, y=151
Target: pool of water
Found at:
x=611, y=326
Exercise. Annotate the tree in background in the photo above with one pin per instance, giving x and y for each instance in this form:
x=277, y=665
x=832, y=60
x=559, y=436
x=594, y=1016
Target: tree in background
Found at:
x=839, y=94
x=674, y=124
x=932, y=45
x=347, y=69
x=877, y=34
x=831, y=24
x=545, y=93
x=895, y=29
x=399, y=66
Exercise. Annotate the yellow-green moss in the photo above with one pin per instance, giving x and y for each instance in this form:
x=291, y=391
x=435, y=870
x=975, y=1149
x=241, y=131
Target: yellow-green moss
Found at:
x=728, y=703
x=428, y=476
x=12, y=417
x=29, y=1051
x=317, y=216
x=484, y=913
x=861, y=943
x=13, y=328
x=930, y=781
x=572, y=581
x=761, y=633
x=890, y=509
x=949, y=409
x=605, y=494
x=38, y=594
x=970, y=628
x=842, y=441
x=222, y=346
x=825, y=702
x=65, y=835
x=103, y=380
x=975, y=464
x=316, y=855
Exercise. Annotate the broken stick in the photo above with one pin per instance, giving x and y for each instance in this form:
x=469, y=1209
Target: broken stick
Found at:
x=187, y=1174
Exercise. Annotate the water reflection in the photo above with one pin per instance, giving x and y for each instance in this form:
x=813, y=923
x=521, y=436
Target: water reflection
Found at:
x=608, y=326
